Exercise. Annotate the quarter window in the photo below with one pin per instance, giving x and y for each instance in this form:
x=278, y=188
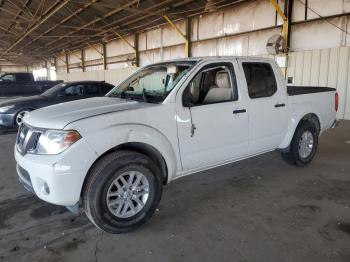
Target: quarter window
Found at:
x=260, y=79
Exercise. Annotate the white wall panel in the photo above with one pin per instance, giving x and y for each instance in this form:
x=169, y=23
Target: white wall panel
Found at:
x=315, y=67
x=234, y=45
x=211, y=25
x=119, y=47
x=307, y=68
x=92, y=54
x=258, y=40
x=298, y=10
x=239, y=19
x=264, y=14
x=333, y=7
x=154, y=38
x=317, y=35
x=327, y=67
x=324, y=67
x=342, y=78
x=170, y=36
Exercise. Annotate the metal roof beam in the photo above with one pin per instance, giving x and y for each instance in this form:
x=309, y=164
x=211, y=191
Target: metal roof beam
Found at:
x=54, y=9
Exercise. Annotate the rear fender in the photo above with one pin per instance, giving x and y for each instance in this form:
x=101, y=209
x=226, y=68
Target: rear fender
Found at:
x=298, y=113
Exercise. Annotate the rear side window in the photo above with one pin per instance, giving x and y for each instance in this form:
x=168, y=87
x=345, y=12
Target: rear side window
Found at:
x=23, y=78
x=260, y=79
x=105, y=88
x=92, y=90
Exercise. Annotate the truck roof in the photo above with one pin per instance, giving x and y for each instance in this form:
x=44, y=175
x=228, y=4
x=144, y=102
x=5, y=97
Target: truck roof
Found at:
x=210, y=58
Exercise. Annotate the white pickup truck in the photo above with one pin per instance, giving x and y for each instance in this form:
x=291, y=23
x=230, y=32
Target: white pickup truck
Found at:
x=112, y=155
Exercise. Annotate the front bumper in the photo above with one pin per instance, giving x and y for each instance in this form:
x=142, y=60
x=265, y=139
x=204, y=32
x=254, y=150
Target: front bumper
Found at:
x=7, y=120
x=56, y=179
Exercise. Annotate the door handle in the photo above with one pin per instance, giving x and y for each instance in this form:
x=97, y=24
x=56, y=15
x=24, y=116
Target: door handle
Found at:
x=280, y=105
x=239, y=111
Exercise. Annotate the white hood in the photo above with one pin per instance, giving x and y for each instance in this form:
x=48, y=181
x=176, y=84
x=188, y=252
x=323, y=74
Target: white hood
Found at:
x=60, y=115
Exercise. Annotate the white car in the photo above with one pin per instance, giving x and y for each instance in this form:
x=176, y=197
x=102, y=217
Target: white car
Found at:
x=112, y=155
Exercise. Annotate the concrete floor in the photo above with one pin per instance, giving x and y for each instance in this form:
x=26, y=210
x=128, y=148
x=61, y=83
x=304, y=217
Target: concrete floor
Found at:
x=261, y=209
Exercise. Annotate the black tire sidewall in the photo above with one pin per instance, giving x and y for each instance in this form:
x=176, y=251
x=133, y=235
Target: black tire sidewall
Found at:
x=306, y=126
x=97, y=193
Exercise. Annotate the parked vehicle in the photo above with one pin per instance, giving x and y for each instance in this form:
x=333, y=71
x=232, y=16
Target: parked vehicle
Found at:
x=23, y=84
x=12, y=111
x=166, y=121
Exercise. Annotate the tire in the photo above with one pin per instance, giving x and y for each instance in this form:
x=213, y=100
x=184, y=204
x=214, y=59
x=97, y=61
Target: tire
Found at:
x=302, y=150
x=104, y=177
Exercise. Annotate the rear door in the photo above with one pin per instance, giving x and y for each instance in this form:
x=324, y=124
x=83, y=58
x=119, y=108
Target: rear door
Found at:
x=211, y=117
x=268, y=112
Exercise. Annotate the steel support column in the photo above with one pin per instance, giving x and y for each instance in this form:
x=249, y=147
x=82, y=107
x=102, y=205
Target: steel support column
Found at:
x=185, y=37
x=104, y=56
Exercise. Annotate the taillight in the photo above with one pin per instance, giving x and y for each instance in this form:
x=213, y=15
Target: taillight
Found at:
x=336, y=101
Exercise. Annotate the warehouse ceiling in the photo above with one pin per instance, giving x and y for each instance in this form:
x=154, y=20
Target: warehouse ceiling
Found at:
x=31, y=30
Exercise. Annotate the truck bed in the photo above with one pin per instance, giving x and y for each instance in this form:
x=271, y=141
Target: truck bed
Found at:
x=302, y=90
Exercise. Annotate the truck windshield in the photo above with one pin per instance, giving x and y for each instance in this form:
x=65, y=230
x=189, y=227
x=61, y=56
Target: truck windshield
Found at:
x=153, y=84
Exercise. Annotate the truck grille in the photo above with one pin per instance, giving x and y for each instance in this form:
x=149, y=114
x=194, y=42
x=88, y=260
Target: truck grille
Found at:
x=27, y=139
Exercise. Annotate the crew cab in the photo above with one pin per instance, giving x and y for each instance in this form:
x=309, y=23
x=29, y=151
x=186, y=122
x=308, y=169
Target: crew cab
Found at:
x=23, y=84
x=111, y=156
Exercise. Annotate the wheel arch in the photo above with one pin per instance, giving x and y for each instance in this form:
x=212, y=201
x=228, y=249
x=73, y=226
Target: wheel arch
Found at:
x=307, y=117
x=139, y=147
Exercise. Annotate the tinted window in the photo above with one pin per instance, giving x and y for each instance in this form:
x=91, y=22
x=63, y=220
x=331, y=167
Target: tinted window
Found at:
x=76, y=90
x=23, y=78
x=10, y=78
x=92, y=90
x=213, y=84
x=105, y=88
x=260, y=79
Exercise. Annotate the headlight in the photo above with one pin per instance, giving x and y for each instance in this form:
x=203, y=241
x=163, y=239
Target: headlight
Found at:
x=53, y=142
x=4, y=109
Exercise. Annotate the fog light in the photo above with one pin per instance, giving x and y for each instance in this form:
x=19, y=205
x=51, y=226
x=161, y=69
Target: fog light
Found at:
x=45, y=189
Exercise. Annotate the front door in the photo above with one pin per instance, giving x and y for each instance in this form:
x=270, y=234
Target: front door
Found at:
x=212, y=118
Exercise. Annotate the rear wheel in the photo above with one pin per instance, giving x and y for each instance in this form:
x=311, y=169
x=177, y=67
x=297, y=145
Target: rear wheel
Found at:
x=304, y=145
x=122, y=192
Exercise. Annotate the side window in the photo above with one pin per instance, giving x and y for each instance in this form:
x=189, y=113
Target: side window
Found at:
x=8, y=78
x=105, y=88
x=76, y=90
x=92, y=90
x=213, y=84
x=23, y=78
x=260, y=79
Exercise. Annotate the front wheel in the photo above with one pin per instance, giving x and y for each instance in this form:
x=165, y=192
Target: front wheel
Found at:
x=303, y=146
x=122, y=192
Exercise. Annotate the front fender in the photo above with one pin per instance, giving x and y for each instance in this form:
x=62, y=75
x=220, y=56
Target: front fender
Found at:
x=138, y=133
x=297, y=112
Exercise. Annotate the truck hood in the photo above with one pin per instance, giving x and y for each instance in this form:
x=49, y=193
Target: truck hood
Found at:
x=60, y=115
